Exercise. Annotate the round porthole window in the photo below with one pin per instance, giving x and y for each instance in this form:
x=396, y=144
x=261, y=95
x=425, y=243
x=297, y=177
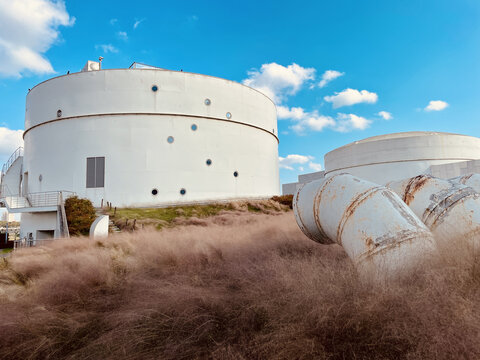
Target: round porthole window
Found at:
x=170, y=139
x=59, y=113
x=154, y=191
x=194, y=127
x=207, y=102
x=208, y=162
x=183, y=191
x=229, y=115
x=154, y=88
x=235, y=174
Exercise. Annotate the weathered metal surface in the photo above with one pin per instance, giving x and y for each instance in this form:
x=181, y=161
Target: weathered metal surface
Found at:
x=472, y=180
x=378, y=231
x=450, y=209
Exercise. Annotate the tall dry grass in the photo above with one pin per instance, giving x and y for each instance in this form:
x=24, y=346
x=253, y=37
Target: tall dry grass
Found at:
x=237, y=287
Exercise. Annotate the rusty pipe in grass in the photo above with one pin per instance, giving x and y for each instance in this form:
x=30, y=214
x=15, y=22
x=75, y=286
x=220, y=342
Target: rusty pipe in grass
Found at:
x=377, y=230
x=451, y=210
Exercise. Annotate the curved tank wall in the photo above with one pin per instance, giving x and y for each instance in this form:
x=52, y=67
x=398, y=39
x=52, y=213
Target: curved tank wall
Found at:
x=398, y=156
x=190, y=137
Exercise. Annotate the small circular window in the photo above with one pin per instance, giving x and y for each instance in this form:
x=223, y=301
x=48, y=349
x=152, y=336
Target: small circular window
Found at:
x=170, y=139
x=59, y=113
x=235, y=174
x=154, y=88
x=183, y=191
x=194, y=127
x=207, y=102
x=40, y=177
x=154, y=192
x=208, y=162
x=229, y=115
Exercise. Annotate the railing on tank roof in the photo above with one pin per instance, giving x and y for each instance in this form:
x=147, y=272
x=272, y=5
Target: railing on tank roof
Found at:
x=137, y=65
x=16, y=154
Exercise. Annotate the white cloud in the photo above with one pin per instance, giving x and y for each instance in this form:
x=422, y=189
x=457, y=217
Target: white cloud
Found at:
x=293, y=159
x=28, y=28
x=137, y=22
x=328, y=76
x=107, y=48
x=350, y=97
x=304, y=120
x=436, y=105
x=290, y=161
x=385, y=115
x=295, y=113
x=349, y=122
x=315, y=166
x=10, y=140
x=122, y=35
x=313, y=121
x=113, y=21
x=277, y=81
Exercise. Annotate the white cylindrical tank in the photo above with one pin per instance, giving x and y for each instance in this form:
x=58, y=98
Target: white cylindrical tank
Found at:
x=450, y=210
x=148, y=137
x=397, y=156
x=375, y=227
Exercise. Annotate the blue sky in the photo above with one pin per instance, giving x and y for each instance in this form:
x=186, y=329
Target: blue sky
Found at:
x=415, y=62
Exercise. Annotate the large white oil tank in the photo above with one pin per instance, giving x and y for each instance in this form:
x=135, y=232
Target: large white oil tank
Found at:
x=148, y=137
x=392, y=157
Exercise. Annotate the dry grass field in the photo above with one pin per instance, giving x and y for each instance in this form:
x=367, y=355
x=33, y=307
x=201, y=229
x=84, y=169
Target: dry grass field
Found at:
x=237, y=285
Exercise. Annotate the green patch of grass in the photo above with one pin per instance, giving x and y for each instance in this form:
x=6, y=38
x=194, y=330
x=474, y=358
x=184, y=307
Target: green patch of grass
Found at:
x=160, y=216
x=6, y=251
x=253, y=208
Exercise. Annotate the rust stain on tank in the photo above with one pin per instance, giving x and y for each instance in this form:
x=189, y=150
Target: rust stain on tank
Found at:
x=435, y=215
x=465, y=178
x=370, y=244
x=316, y=216
x=359, y=199
x=413, y=186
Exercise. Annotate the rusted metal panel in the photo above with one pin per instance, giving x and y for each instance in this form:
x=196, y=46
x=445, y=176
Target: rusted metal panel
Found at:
x=448, y=208
x=378, y=231
x=472, y=180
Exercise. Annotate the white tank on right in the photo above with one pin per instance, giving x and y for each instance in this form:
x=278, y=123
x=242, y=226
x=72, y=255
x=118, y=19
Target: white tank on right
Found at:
x=393, y=157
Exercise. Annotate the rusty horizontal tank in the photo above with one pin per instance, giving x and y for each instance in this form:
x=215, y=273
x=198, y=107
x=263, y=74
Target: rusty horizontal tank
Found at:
x=377, y=230
x=472, y=180
x=451, y=210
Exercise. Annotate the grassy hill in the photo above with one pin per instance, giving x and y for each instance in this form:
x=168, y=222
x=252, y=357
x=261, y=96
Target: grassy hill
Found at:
x=237, y=285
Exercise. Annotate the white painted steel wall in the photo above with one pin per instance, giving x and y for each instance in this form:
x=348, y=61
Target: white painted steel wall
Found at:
x=33, y=222
x=397, y=156
x=115, y=114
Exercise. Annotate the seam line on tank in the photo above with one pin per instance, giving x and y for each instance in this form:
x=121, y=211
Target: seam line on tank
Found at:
x=396, y=161
x=160, y=114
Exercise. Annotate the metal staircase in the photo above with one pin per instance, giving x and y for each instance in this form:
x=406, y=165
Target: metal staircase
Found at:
x=47, y=201
x=33, y=202
x=16, y=154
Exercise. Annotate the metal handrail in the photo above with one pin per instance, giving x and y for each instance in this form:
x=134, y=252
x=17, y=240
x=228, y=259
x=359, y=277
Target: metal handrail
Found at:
x=16, y=154
x=32, y=200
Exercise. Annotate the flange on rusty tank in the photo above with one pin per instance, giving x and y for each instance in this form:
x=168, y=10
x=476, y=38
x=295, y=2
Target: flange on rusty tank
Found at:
x=450, y=210
x=378, y=231
x=472, y=180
